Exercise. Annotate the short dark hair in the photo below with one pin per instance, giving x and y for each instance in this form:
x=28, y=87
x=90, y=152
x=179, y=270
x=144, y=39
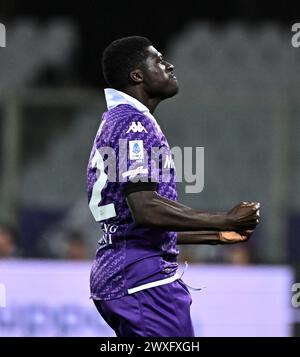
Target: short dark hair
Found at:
x=121, y=57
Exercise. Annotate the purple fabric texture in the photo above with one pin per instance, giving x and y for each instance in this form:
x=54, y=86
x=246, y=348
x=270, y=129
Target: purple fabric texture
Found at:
x=162, y=311
x=128, y=255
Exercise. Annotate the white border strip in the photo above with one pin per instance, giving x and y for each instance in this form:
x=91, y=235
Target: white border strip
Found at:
x=153, y=284
x=2, y=295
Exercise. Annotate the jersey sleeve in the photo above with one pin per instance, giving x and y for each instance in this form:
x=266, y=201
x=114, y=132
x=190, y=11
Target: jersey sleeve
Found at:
x=137, y=159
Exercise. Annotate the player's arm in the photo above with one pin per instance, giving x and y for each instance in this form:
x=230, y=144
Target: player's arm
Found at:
x=212, y=237
x=148, y=208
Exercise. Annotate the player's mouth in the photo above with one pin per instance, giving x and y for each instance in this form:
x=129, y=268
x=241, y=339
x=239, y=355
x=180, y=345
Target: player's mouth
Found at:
x=172, y=76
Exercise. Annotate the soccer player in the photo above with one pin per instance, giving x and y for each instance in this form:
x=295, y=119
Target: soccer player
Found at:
x=134, y=283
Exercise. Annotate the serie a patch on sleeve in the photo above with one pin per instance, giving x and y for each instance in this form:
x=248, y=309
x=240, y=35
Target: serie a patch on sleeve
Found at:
x=136, y=150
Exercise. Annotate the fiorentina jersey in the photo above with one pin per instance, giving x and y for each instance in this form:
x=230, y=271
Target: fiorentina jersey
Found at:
x=129, y=147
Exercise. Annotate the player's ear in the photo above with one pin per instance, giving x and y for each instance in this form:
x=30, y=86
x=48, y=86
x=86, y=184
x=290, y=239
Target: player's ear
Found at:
x=136, y=76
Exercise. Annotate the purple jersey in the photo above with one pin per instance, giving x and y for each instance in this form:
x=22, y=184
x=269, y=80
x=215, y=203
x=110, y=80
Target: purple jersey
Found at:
x=129, y=145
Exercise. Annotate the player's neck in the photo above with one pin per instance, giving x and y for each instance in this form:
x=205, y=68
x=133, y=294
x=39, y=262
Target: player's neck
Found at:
x=150, y=103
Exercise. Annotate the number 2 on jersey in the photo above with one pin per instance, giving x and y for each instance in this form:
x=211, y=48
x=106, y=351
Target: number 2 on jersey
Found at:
x=100, y=213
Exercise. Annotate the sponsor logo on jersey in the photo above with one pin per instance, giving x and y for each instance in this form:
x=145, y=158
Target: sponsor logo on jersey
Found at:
x=136, y=128
x=136, y=150
x=133, y=173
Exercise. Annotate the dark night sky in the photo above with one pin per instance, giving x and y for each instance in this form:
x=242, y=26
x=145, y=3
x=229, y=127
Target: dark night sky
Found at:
x=100, y=22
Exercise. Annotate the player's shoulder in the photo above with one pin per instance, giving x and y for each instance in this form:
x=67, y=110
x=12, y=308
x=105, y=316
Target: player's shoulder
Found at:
x=126, y=112
x=129, y=119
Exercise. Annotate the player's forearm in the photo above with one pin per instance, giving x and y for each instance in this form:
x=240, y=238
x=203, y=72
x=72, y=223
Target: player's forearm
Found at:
x=213, y=237
x=199, y=237
x=150, y=209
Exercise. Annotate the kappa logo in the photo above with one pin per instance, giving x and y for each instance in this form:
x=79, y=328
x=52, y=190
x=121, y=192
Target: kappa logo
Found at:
x=136, y=128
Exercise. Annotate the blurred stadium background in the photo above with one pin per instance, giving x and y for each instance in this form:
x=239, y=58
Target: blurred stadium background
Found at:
x=239, y=98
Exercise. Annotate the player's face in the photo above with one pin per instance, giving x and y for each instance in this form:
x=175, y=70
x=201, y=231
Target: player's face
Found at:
x=158, y=76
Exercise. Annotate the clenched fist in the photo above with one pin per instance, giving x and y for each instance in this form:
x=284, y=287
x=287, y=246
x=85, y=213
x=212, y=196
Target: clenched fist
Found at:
x=243, y=217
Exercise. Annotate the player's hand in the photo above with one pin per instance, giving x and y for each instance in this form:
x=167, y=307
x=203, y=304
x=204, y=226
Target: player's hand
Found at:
x=243, y=217
x=234, y=237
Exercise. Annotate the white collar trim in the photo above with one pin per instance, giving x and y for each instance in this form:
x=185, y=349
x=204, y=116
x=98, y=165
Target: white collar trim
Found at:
x=115, y=97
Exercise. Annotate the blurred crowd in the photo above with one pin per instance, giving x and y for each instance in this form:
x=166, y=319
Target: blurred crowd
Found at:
x=8, y=241
x=76, y=248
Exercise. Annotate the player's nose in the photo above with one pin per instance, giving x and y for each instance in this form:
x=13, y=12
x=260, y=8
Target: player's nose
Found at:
x=169, y=66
